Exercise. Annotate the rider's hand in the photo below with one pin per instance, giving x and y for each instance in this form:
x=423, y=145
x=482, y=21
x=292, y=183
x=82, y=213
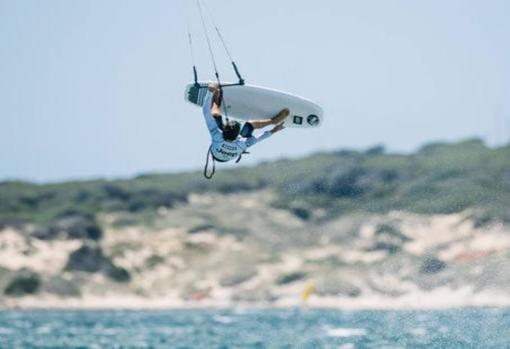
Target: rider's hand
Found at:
x=213, y=86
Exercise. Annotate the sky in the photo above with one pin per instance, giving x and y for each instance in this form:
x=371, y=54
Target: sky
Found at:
x=95, y=88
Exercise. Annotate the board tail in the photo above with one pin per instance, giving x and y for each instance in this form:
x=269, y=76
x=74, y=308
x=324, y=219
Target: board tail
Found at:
x=196, y=93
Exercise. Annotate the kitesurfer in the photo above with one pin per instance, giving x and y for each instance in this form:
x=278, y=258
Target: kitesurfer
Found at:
x=230, y=140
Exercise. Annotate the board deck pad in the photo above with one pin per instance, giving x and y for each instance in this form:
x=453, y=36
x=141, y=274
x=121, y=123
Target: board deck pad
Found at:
x=247, y=102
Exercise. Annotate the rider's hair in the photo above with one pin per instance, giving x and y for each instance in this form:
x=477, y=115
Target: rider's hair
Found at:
x=231, y=130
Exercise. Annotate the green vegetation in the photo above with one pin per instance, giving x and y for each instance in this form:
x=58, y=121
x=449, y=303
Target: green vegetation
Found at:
x=237, y=275
x=389, y=239
x=432, y=265
x=90, y=259
x=438, y=178
x=23, y=283
x=290, y=277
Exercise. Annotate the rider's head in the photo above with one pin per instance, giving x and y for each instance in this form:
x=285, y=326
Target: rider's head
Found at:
x=231, y=130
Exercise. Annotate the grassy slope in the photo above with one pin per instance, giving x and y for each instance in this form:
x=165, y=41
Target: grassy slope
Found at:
x=439, y=178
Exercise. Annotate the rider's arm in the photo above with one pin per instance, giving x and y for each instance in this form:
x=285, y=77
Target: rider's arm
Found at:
x=251, y=141
x=210, y=120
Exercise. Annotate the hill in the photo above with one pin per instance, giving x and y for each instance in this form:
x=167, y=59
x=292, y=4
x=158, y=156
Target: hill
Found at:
x=438, y=178
x=367, y=228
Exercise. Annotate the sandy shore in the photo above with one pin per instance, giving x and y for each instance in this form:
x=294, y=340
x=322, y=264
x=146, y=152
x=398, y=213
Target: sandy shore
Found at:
x=443, y=298
x=218, y=270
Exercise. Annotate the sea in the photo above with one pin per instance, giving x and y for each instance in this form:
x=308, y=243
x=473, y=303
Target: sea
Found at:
x=256, y=328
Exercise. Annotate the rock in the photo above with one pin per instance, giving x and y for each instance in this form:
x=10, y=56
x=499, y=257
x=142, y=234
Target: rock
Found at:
x=24, y=282
x=70, y=227
x=90, y=259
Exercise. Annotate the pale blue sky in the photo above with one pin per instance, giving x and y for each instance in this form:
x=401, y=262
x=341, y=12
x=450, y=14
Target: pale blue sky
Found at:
x=95, y=88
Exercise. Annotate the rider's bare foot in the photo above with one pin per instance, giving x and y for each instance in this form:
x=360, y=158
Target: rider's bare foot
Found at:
x=280, y=117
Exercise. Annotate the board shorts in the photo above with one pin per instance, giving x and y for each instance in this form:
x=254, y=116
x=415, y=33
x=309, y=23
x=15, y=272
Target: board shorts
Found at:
x=247, y=130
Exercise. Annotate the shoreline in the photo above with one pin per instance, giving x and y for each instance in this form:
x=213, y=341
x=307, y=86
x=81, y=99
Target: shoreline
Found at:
x=435, y=300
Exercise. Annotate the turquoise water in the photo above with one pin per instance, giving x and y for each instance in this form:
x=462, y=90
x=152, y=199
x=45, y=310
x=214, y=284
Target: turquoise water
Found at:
x=468, y=328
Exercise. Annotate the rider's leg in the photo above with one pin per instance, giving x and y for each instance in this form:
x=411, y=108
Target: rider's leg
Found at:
x=275, y=120
x=215, y=107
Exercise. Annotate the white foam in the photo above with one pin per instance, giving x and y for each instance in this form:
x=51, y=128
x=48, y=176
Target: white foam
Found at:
x=419, y=332
x=223, y=319
x=346, y=332
x=347, y=346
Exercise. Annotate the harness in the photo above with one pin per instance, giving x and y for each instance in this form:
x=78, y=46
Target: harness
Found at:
x=211, y=159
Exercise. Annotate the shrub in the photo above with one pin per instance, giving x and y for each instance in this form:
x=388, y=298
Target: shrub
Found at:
x=87, y=258
x=91, y=259
x=392, y=231
x=290, y=277
x=432, y=265
x=118, y=274
x=376, y=150
x=237, y=277
x=25, y=282
x=301, y=213
x=72, y=226
x=153, y=261
x=61, y=287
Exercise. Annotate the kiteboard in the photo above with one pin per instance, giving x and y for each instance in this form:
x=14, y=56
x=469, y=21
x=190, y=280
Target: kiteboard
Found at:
x=248, y=102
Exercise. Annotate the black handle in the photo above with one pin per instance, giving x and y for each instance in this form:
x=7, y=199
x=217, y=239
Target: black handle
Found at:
x=195, y=75
x=241, y=80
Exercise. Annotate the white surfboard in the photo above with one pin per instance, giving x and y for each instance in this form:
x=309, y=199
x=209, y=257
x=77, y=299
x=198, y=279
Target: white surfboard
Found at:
x=247, y=102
